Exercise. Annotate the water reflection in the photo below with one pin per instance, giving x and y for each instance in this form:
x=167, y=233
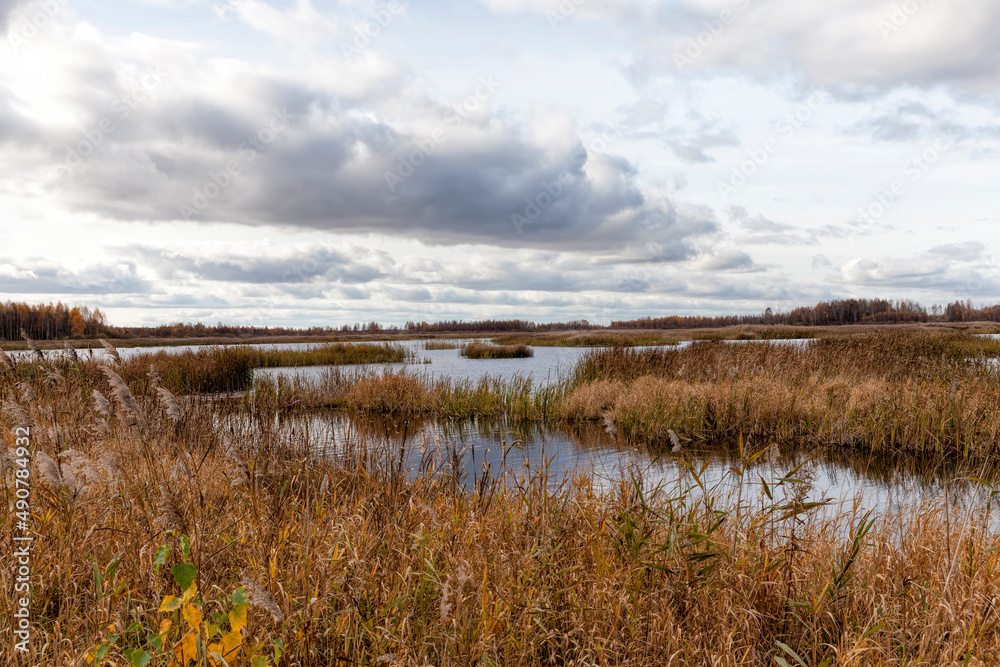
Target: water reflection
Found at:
x=851, y=481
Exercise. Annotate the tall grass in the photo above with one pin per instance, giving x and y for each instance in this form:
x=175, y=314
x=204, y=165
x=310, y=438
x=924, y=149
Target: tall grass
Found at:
x=228, y=369
x=609, y=339
x=932, y=393
x=440, y=345
x=338, y=557
x=490, y=351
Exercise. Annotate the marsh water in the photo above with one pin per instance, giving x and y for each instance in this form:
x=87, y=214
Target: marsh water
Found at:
x=848, y=481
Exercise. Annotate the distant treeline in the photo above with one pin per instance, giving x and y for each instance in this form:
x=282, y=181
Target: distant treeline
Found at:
x=825, y=313
x=489, y=326
x=49, y=322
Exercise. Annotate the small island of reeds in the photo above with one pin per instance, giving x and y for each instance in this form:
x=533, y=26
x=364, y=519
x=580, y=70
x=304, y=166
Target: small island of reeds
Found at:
x=492, y=351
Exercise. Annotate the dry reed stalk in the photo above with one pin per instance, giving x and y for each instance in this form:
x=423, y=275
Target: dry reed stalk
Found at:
x=37, y=351
x=6, y=361
x=112, y=351
x=171, y=405
x=123, y=395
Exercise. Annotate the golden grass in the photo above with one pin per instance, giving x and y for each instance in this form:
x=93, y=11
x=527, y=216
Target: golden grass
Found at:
x=440, y=345
x=491, y=351
x=597, y=339
x=916, y=392
x=345, y=560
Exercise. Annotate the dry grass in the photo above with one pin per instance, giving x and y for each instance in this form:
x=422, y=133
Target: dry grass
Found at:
x=931, y=393
x=440, y=345
x=490, y=351
x=576, y=339
x=389, y=394
x=347, y=561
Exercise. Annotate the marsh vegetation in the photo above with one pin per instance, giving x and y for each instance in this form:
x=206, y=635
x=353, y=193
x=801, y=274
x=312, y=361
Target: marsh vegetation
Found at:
x=173, y=521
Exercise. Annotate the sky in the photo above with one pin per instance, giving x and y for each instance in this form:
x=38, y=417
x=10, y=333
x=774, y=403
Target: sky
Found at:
x=326, y=162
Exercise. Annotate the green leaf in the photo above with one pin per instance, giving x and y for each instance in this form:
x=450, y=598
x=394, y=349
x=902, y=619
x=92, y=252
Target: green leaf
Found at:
x=102, y=651
x=184, y=575
x=186, y=547
x=98, y=588
x=239, y=597
x=161, y=558
x=259, y=661
x=787, y=649
x=279, y=650
x=138, y=658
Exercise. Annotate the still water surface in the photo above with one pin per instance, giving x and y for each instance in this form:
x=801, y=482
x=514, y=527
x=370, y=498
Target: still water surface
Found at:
x=849, y=482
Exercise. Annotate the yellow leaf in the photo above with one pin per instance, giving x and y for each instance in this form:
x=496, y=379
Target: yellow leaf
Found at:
x=189, y=593
x=165, y=625
x=214, y=650
x=170, y=603
x=238, y=618
x=192, y=615
x=187, y=649
x=230, y=645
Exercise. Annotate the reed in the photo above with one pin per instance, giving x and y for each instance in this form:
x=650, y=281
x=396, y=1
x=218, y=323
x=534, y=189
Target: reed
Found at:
x=588, y=340
x=440, y=345
x=490, y=351
x=232, y=533
x=334, y=354
x=928, y=393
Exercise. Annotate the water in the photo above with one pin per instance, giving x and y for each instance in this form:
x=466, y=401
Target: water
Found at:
x=847, y=482
x=547, y=364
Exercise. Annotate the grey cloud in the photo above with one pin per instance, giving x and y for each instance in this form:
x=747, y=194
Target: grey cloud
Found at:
x=6, y=8
x=689, y=154
x=727, y=260
x=328, y=170
x=317, y=264
x=968, y=251
x=759, y=230
x=40, y=276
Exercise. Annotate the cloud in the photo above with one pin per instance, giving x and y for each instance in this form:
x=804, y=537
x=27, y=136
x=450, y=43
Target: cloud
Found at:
x=957, y=270
x=759, y=230
x=298, y=25
x=338, y=157
x=727, y=260
x=849, y=43
x=326, y=265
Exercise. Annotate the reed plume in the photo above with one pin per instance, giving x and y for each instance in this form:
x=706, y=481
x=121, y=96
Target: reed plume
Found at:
x=102, y=404
x=262, y=599
x=5, y=360
x=48, y=470
x=170, y=405
x=122, y=394
x=112, y=351
x=33, y=346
